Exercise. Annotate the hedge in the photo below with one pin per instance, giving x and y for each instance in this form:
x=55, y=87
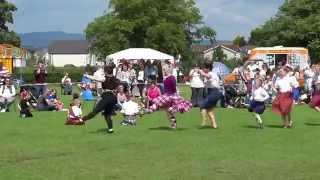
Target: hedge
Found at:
x=54, y=74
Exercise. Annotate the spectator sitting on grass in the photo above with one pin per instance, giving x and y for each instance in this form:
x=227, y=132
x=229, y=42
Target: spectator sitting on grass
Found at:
x=25, y=103
x=130, y=110
x=153, y=92
x=55, y=100
x=87, y=94
x=44, y=104
x=7, y=95
x=121, y=96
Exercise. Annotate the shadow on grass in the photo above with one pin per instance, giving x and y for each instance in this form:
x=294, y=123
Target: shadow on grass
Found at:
x=166, y=129
x=205, y=128
x=250, y=127
x=312, y=124
x=275, y=126
x=100, y=131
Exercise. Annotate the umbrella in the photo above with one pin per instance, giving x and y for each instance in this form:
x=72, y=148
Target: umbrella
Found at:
x=220, y=69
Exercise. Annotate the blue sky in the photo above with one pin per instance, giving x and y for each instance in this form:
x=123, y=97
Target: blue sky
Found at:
x=228, y=17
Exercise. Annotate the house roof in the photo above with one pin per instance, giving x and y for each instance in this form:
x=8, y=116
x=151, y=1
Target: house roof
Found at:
x=200, y=48
x=69, y=47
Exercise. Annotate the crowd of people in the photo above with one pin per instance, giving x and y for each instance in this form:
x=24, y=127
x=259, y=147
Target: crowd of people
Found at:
x=145, y=87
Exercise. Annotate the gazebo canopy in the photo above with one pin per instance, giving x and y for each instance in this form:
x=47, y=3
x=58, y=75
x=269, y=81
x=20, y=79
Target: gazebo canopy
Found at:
x=138, y=54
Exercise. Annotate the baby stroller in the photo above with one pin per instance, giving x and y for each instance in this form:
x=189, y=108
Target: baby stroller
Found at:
x=31, y=98
x=236, y=94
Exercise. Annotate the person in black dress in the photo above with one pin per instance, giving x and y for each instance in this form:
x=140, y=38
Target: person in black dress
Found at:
x=108, y=101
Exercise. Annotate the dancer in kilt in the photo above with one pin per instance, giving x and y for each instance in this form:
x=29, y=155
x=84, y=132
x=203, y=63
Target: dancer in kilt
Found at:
x=257, y=103
x=315, y=96
x=170, y=100
x=108, y=101
x=283, y=103
x=213, y=96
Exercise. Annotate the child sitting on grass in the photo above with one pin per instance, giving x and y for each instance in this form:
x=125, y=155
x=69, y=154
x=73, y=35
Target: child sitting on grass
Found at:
x=130, y=110
x=25, y=105
x=75, y=112
x=153, y=92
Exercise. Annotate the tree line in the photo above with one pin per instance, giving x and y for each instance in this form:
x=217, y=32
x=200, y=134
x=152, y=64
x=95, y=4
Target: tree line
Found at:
x=172, y=26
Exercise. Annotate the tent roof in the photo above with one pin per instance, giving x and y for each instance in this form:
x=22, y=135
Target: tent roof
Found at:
x=140, y=53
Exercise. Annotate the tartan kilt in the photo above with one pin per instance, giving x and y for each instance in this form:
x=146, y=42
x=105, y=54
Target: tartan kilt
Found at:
x=315, y=101
x=283, y=103
x=74, y=121
x=174, y=103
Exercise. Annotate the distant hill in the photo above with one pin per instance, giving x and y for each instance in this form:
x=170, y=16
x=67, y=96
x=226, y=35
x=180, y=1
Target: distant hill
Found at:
x=41, y=40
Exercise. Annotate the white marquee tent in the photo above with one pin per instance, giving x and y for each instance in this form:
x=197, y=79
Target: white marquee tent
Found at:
x=138, y=54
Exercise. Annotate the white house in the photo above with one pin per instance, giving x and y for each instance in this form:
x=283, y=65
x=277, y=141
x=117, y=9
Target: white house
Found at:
x=231, y=52
x=70, y=52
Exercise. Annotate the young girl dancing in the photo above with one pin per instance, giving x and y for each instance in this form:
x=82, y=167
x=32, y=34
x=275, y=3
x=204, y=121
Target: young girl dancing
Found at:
x=283, y=103
x=257, y=104
x=170, y=100
x=214, y=95
x=315, y=100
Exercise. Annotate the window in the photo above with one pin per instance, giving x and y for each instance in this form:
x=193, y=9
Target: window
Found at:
x=270, y=59
x=294, y=59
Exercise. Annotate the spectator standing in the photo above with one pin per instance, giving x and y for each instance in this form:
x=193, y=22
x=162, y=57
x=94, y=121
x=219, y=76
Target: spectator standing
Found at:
x=197, y=86
x=40, y=75
x=66, y=84
x=99, y=74
x=140, y=78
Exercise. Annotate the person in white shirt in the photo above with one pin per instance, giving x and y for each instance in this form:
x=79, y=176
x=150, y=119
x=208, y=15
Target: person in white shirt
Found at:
x=283, y=103
x=213, y=83
x=257, y=101
x=7, y=95
x=308, y=77
x=141, y=79
x=124, y=76
x=214, y=95
x=66, y=84
x=197, y=86
x=75, y=112
x=99, y=74
x=130, y=110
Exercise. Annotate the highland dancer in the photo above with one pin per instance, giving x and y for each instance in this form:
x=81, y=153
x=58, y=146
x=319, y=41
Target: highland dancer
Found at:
x=257, y=101
x=170, y=100
x=213, y=96
x=315, y=100
x=283, y=103
x=108, y=102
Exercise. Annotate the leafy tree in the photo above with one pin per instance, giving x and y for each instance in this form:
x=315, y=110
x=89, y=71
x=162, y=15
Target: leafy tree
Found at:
x=207, y=33
x=168, y=25
x=240, y=41
x=296, y=24
x=218, y=55
x=6, y=16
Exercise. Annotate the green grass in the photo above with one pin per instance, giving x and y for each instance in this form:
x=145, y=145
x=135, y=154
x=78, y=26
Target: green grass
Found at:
x=44, y=148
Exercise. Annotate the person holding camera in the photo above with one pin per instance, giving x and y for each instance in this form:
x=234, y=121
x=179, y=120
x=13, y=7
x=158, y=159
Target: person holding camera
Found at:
x=40, y=75
x=197, y=86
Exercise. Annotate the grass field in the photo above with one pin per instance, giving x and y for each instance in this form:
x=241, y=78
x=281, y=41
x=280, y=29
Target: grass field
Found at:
x=44, y=148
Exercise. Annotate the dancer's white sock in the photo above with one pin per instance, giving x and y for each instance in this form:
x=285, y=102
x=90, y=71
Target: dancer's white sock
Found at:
x=259, y=120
